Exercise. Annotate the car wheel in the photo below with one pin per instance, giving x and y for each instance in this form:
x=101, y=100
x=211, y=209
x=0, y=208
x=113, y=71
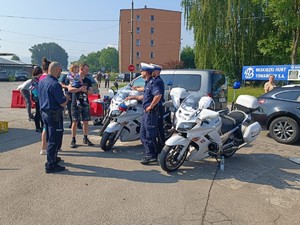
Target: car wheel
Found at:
x=284, y=130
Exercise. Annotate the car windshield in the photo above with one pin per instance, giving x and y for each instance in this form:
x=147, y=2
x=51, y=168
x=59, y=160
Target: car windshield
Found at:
x=188, y=82
x=191, y=103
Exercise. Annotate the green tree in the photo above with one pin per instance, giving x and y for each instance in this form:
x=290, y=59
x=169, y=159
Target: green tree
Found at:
x=109, y=59
x=52, y=51
x=283, y=40
x=15, y=57
x=187, y=56
x=92, y=59
x=226, y=33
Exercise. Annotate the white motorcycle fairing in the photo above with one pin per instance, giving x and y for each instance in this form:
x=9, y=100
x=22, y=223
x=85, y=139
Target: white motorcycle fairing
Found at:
x=113, y=127
x=177, y=140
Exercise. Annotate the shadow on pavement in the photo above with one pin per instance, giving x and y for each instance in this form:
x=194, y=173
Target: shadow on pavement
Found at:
x=263, y=169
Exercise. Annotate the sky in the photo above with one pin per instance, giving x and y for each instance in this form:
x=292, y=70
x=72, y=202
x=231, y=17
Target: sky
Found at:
x=78, y=26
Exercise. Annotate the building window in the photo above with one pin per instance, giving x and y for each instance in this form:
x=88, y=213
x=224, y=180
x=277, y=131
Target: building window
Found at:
x=152, y=30
x=137, y=67
x=138, y=42
x=151, y=55
x=138, y=30
x=151, y=43
x=138, y=18
x=152, y=17
x=138, y=55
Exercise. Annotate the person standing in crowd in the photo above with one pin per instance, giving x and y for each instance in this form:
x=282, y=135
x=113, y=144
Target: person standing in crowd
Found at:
x=160, y=83
x=25, y=92
x=84, y=113
x=107, y=77
x=65, y=82
x=151, y=97
x=36, y=73
x=98, y=78
x=52, y=102
x=45, y=67
x=269, y=86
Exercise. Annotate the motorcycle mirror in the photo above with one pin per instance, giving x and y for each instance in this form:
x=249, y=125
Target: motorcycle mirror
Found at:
x=169, y=83
x=236, y=85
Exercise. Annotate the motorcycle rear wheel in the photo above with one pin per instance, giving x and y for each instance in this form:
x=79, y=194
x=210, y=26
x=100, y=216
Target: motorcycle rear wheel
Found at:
x=168, y=157
x=108, y=140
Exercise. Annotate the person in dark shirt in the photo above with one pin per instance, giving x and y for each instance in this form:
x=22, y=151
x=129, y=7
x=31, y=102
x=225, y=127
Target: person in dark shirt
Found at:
x=84, y=113
x=52, y=102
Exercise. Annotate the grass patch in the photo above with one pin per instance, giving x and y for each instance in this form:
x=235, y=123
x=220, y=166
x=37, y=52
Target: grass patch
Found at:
x=254, y=91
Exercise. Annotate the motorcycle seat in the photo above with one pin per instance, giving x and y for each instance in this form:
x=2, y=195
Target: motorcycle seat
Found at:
x=231, y=120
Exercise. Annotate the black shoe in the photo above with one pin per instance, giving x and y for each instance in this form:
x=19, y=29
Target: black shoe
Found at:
x=87, y=141
x=58, y=159
x=73, y=144
x=55, y=169
x=39, y=130
x=79, y=126
x=147, y=160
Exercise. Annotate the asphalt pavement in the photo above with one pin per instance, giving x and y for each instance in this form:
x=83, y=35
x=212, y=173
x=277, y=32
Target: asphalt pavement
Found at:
x=259, y=185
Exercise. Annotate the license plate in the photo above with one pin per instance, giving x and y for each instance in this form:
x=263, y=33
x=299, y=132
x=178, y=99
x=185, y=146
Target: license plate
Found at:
x=222, y=99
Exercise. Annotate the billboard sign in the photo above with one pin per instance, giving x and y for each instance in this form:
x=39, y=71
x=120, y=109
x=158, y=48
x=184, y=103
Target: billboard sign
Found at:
x=281, y=72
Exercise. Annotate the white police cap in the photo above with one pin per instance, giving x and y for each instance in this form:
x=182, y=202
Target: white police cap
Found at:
x=156, y=67
x=146, y=67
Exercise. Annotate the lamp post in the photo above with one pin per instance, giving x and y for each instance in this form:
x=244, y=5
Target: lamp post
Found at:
x=131, y=39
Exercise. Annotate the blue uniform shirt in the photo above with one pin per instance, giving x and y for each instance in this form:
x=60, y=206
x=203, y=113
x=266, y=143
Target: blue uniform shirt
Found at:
x=159, y=82
x=50, y=94
x=151, y=89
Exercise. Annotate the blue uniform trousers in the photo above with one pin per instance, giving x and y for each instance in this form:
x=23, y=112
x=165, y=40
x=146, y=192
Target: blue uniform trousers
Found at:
x=161, y=132
x=149, y=133
x=54, y=133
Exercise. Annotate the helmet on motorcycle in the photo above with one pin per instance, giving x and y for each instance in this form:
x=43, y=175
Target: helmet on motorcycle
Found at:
x=206, y=102
x=122, y=107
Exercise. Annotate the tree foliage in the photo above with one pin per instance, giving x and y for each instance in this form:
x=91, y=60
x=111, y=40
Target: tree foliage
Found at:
x=106, y=59
x=15, y=57
x=109, y=59
x=187, y=56
x=51, y=51
x=233, y=33
x=283, y=41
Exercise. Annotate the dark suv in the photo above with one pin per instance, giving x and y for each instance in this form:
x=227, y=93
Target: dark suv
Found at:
x=279, y=112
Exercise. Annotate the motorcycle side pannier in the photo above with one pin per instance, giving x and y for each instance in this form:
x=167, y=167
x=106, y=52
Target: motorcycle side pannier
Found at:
x=246, y=103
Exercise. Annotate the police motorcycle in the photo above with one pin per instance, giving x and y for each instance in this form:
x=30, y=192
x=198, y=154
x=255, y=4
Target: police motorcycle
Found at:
x=202, y=132
x=177, y=95
x=125, y=120
x=115, y=98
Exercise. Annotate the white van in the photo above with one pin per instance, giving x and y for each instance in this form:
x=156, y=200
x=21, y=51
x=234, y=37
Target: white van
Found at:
x=206, y=82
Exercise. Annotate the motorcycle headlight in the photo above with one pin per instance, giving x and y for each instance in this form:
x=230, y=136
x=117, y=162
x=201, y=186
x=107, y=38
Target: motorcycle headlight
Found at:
x=115, y=113
x=185, y=126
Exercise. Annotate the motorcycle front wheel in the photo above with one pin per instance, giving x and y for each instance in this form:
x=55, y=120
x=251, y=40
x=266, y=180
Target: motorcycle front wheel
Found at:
x=105, y=123
x=108, y=140
x=169, y=157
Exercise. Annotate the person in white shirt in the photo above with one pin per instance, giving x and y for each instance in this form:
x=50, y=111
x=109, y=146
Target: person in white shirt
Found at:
x=25, y=92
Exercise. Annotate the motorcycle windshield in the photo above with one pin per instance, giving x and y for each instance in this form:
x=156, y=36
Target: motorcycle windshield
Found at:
x=191, y=103
x=121, y=95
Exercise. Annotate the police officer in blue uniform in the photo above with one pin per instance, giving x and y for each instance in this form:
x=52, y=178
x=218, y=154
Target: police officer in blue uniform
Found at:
x=151, y=97
x=160, y=83
x=52, y=102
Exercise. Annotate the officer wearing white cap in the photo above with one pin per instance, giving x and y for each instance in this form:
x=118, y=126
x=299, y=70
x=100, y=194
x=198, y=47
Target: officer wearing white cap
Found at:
x=151, y=97
x=159, y=82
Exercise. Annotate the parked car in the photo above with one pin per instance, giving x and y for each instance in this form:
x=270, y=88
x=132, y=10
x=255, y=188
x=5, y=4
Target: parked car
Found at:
x=279, y=112
x=206, y=82
x=4, y=75
x=21, y=75
x=125, y=77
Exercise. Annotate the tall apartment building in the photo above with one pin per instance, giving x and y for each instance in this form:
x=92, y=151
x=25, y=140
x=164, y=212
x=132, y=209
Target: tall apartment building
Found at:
x=156, y=37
